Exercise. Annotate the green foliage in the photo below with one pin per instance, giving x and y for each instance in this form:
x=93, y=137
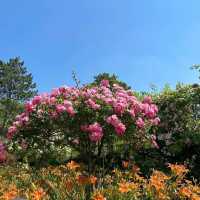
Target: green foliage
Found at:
x=179, y=131
x=8, y=110
x=16, y=86
x=113, y=79
x=15, y=82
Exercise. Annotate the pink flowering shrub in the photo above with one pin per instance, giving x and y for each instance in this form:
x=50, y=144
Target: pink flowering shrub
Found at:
x=88, y=119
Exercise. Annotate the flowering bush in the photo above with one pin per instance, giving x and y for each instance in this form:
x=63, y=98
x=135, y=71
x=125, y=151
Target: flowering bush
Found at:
x=89, y=119
x=71, y=181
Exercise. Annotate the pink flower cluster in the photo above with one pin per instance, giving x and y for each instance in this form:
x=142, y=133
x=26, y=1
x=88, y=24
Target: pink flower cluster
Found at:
x=120, y=128
x=149, y=110
x=140, y=123
x=105, y=83
x=65, y=107
x=95, y=131
x=45, y=103
x=92, y=104
x=113, y=102
x=21, y=120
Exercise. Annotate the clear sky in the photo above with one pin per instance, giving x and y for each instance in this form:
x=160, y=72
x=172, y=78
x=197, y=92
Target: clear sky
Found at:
x=142, y=41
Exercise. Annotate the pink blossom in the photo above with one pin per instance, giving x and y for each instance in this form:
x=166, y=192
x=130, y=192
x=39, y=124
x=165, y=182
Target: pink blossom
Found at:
x=21, y=119
x=18, y=117
x=119, y=107
x=52, y=100
x=29, y=107
x=132, y=99
x=156, y=121
x=17, y=123
x=120, y=129
x=106, y=91
x=60, y=108
x=155, y=108
x=55, y=92
x=151, y=113
x=140, y=123
x=108, y=100
x=153, y=141
x=11, y=131
x=96, y=127
x=67, y=103
x=92, y=91
x=132, y=113
x=155, y=144
x=76, y=141
x=25, y=119
x=36, y=100
x=95, y=136
x=54, y=115
x=92, y=104
x=137, y=106
x=145, y=107
x=105, y=83
x=130, y=92
x=122, y=94
x=147, y=99
x=85, y=94
x=70, y=111
x=62, y=89
x=113, y=120
x=95, y=131
x=149, y=110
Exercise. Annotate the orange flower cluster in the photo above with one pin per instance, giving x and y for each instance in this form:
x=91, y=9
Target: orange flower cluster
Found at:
x=73, y=165
x=98, y=196
x=71, y=182
x=190, y=192
x=11, y=193
x=38, y=194
x=179, y=170
x=127, y=187
x=84, y=180
x=157, y=180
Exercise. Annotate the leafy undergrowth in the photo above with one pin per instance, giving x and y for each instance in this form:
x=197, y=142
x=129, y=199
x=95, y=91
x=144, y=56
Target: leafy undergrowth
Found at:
x=71, y=182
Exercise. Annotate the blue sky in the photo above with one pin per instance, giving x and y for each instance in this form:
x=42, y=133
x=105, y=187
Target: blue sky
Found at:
x=142, y=41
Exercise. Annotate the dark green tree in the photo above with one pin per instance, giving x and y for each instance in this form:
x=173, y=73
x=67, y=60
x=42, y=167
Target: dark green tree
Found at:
x=112, y=79
x=16, y=86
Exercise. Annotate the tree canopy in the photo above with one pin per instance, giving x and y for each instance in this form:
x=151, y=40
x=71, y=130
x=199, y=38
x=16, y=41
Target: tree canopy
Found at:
x=16, y=86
